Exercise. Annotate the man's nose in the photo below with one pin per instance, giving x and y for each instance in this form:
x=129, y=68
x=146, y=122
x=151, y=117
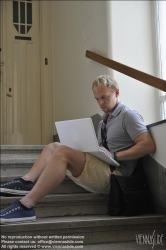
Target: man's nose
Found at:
x=101, y=101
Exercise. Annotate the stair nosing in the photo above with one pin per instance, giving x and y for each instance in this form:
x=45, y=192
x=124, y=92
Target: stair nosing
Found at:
x=62, y=197
x=83, y=221
x=21, y=147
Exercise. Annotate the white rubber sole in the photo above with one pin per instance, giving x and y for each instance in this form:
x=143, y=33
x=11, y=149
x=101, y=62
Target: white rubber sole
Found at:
x=19, y=220
x=13, y=191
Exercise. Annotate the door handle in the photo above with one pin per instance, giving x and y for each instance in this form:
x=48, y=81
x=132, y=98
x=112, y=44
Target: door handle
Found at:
x=1, y=63
x=9, y=95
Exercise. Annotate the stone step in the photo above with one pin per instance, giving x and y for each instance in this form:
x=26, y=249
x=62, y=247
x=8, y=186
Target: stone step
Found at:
x=66, y=187
x=9, y=157
x=17, y=160
x=66, y=204
x=16, y=167
x=15, y=164
x=87, y=229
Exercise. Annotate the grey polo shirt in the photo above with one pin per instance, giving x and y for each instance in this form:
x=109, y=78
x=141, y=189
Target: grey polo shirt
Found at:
x=122, y=127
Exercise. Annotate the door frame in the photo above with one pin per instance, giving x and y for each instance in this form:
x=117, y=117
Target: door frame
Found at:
x=3, y=74
x=46, y=94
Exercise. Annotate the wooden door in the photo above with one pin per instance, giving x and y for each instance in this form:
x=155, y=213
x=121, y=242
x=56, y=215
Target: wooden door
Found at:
x=23, y=91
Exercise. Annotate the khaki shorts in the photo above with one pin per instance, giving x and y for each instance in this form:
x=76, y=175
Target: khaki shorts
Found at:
x=95, y=176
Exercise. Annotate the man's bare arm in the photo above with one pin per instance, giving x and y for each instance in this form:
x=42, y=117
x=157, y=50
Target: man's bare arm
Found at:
x=143, y=145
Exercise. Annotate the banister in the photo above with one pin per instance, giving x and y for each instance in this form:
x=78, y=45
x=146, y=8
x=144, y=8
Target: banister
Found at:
x=134, y=73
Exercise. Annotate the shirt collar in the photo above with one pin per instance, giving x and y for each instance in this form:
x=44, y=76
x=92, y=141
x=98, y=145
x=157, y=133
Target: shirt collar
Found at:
x=115, y=112
x=118, y=109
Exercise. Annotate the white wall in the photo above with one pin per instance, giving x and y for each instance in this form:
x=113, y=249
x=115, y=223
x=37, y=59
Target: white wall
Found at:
x=116, y=29
x=77, y=26
x=132, y=45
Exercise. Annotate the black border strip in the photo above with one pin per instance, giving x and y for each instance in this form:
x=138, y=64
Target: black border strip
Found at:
x=156, y=123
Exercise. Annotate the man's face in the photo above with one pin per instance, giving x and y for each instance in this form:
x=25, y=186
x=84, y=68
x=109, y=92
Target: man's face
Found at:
x=106, y=98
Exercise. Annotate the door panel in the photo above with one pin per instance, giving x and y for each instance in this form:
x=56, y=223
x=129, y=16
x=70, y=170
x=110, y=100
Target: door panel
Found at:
x=23, y=73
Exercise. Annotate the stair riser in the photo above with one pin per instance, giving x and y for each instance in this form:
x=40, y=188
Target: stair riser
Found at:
x=66, y=208
x=71, y=210
x=16, y=154
x=22, y=161
x=66, y=187
x=15, y=169
x=20, y=167
x=22, y=149
x=20, y=152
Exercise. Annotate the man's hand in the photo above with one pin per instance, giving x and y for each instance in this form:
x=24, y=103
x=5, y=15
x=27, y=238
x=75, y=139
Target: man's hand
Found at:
x=105, y=150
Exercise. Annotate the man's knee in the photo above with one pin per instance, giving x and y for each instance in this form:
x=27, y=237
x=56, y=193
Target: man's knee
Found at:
x=61, y=152
x=52, y=146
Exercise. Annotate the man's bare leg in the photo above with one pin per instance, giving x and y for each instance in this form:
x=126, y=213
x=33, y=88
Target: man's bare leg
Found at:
x=41, y=162
x=54, y=172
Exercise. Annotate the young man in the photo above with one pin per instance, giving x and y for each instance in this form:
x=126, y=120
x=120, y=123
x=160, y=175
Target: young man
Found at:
x=127, y=139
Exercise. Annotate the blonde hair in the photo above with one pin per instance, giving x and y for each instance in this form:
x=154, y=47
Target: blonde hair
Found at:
x=105, y=80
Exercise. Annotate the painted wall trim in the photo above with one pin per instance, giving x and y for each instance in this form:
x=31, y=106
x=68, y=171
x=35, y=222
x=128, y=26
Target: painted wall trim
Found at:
x=157, y=131
x=156, y=123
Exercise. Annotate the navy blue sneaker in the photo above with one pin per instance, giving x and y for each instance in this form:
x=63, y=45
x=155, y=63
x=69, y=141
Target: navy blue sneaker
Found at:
x=16, y=187
x=17, y=213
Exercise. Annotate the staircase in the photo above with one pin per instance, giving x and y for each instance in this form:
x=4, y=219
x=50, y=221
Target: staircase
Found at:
x=71, y=212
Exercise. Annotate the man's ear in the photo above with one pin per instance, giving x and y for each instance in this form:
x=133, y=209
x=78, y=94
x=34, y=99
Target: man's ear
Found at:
x=117, y=92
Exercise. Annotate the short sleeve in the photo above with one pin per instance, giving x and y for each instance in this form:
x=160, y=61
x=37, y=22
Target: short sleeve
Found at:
x=133, y=123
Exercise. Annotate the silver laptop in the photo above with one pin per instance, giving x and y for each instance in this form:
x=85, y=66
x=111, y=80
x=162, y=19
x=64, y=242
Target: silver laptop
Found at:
x=80, y=134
